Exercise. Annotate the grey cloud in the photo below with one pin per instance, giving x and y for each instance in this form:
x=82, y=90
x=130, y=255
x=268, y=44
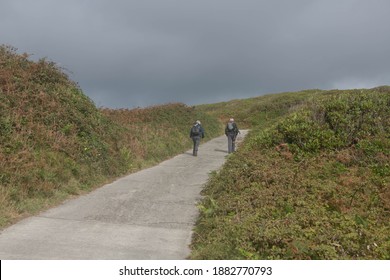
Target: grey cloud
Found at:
x=140, y=53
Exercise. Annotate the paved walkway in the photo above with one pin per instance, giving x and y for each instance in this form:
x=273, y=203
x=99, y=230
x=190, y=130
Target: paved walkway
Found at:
x=146, y=215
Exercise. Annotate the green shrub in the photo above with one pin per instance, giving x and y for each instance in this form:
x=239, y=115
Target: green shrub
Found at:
x=310, y=184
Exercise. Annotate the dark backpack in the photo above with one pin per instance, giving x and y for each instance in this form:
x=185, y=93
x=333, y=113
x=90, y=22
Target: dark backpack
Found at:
x=195, y=131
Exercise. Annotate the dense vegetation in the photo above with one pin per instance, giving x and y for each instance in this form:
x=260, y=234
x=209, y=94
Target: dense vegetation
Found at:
x=313, y=182
x=54, y=142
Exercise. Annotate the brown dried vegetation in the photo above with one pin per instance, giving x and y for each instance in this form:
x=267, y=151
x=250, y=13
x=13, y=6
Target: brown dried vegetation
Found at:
x=55, y=143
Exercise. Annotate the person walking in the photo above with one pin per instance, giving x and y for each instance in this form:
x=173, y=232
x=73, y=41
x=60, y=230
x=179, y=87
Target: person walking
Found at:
x=231, y=131
x=196, y=133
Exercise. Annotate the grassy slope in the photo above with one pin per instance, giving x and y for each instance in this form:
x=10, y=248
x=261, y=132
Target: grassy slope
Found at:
x=258, y=111
x=54, y=142
x=310, y=184
x=158, y=132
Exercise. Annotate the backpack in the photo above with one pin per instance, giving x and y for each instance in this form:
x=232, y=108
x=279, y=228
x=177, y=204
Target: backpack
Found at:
x=195, y=131
x=230, y=127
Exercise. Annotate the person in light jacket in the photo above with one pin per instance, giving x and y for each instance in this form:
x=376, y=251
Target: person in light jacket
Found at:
x=231, y=131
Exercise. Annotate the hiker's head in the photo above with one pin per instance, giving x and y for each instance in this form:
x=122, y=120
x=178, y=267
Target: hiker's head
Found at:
x=231, y=120
x=197, y=122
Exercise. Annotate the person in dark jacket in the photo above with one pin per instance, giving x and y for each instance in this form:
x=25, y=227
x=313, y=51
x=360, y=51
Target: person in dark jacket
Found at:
x=196, y=133
x=231, y=131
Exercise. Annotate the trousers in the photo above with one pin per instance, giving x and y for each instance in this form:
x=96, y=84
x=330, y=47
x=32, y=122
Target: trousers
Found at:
x=196, y=140
x=231, y=142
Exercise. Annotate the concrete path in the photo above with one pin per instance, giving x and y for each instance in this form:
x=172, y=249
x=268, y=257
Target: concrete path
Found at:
x=146, y=215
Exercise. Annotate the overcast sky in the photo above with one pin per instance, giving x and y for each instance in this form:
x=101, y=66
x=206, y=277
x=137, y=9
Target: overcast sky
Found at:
x=129, y=53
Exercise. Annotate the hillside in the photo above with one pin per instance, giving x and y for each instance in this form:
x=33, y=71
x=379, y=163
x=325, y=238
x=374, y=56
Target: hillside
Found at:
x=310, y=182
x=258, y=111
x=55, y=143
